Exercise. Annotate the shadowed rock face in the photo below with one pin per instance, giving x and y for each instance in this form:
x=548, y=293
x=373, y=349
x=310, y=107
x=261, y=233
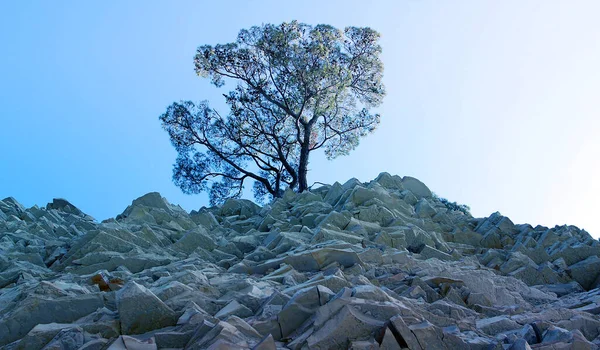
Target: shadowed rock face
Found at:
x=383, y=264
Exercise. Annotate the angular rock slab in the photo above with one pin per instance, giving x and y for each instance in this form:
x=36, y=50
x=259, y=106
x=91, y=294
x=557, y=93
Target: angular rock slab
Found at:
x=142, y=311
x=346, y=325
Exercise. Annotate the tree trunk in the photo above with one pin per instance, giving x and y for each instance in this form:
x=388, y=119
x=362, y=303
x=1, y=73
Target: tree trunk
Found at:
x=303, y=166
x=277, y=189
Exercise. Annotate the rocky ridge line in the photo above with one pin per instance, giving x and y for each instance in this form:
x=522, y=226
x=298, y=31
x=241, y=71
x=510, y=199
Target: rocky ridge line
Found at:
x=378, y=265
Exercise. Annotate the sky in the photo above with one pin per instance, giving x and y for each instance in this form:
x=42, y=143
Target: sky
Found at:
x=493, y=104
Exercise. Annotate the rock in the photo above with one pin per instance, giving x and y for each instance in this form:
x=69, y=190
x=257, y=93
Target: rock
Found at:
x=64, y=205
x=586, y=272
x=556, y=335
x=403, y=334
x=193, y=239
x=314, y=260
x=428, y=335
x=424, y=209
x=242, y=207
x=530, y=334
x=389, y=182
x=125, y=342
x=346, y=325
x=234, y=308
x=67, y=338
x=301, y=306
x=266, y=343
x=370, y=292
x=416, y=187
x=375, y=265
x=141, y=311
x=41, y=335
x=95, y=344
x=561, y=289
x=221, y=336
x=172, y=339
x=35, y=310
x=495, y=325
x=364, y=345
x=428, y=252
x=520, y=344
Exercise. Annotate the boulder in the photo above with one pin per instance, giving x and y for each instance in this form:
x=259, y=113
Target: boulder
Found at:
x=495, y=325
x=424, y=209
x=586, y=272
x=303, y=304
x=405, y=337
x=36, y=310
x=428, y=335
x=346, y=325
x=193, y=239
x=233, y=308
x=416, y=187
x=141, y=311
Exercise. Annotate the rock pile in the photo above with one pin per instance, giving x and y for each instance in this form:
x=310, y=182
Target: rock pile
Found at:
x=378, y=265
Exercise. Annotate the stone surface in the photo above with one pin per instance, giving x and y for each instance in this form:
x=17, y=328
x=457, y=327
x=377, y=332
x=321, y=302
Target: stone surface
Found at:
x=141, y=311
x=377, y=265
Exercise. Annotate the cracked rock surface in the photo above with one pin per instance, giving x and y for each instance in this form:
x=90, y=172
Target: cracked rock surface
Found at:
x=377, y=265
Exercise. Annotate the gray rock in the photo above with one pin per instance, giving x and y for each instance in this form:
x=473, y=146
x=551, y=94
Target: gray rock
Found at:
x=41, y=335
x=316, y=259
x=556, y=334
x=520, y=344
x=428, y=335
x=365, y=345
x=234, y=308
x=35, y=310
x=67, y=339
x=95, y=344
x=416, y=187
x=428, y=252
x=193, y=239
x=141, y=311
x=495, y=325
x=561, y=289
x=361, y=265
x=586, y=272
x=172, y=339
x=301, y=306
x=406, y=338
x=424, y=209
x=348, y=324
x=242, y=207
x=266, y=343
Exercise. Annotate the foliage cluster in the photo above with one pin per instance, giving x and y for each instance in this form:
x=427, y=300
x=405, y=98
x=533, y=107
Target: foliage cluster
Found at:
x=465, y=209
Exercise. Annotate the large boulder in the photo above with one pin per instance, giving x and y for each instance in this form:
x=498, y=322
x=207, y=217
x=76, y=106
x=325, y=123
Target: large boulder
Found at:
x=586, y=272
x=242, y=207
x=301, y=306
x=38, y=310
x=193, y=239
x=141, y=311
x=416, y=187
x=346, y=325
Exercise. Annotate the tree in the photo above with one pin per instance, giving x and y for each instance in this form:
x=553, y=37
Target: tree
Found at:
x=299, y=89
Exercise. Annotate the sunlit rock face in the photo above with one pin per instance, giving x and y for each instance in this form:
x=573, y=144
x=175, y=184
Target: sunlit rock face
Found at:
x=378, y=265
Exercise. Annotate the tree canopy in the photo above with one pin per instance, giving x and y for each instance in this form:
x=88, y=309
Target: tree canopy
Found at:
x=299, y=88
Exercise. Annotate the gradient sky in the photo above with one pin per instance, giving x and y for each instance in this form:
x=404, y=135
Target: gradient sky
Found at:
x=491, y=103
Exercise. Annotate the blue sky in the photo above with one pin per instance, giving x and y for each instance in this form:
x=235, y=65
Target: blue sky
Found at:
x=492, y=104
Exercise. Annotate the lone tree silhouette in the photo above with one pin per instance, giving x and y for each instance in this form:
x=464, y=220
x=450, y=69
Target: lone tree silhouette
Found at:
x=299, y=88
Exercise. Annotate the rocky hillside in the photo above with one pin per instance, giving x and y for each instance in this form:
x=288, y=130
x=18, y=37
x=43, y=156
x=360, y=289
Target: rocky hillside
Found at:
x=378, y=265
